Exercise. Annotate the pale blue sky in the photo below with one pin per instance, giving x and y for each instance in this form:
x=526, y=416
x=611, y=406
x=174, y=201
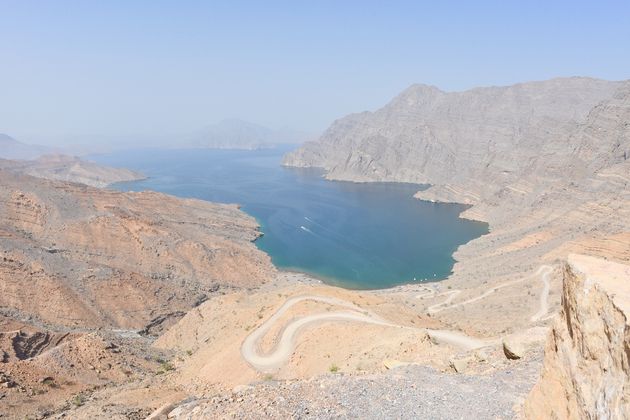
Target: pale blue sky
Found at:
x=104, y=69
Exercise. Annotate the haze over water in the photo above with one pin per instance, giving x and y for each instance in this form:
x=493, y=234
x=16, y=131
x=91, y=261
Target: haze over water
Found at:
x=360, y=236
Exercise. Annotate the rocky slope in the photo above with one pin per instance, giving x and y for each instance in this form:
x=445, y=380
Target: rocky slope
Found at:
x=89, y=276
x=73, y=255
x=585, y=372
x=71, y=169
x=545, y=163
x=487, y=146
x=487, y=135
x=404, y=393
x=586, y=366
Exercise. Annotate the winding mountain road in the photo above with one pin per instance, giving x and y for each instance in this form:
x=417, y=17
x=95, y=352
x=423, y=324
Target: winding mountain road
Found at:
x=286, y=343
x=544, y=271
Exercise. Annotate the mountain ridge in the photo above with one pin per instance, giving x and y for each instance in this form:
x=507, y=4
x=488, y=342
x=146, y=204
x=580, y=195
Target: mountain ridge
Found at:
x=461, y=137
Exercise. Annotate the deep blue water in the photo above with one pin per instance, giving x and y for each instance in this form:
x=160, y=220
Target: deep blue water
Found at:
x=360, y=236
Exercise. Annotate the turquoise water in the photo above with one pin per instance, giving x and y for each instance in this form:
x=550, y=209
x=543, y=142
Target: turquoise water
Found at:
x=359, y=236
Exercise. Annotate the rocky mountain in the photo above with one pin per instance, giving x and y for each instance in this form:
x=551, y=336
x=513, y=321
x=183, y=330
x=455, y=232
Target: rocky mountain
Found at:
x=239, y=134
x=545, y=163
x=71, y=169
x=492, y=135
x=13, y=149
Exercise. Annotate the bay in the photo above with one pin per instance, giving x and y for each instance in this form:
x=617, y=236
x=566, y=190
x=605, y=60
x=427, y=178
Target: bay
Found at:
x=353, y=235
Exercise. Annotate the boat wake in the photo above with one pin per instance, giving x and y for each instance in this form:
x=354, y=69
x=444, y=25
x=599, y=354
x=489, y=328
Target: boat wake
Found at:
x=305, y=229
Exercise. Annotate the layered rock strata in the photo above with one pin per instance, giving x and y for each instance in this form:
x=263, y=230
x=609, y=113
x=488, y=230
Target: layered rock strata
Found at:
x=587, y=365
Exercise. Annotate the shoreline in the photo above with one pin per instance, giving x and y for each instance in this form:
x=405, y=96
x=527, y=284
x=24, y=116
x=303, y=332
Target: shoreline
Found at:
x=417, y=195
x=310, y=279
x=338, y=282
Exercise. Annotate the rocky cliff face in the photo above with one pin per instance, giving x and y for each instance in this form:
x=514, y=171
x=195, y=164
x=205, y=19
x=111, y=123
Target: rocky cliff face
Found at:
x=587, y=363
x=490, y=135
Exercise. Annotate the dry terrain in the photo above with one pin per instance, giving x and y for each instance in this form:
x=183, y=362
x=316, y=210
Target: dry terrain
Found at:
x=119, y=303
x=71, y=169
x=128, y=305
x=88, y=277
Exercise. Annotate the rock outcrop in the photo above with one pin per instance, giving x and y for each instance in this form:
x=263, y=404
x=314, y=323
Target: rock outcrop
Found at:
x=89, y=277
x=587, y=365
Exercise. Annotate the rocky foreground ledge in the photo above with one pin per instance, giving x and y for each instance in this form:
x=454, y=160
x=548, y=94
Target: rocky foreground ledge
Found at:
x=584, y=376
x=586, y=366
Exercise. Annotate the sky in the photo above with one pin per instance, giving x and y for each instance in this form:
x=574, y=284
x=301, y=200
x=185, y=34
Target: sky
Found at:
x=97, y=71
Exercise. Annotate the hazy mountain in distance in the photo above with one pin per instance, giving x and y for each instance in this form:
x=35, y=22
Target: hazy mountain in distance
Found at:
x=13, y=149
x=239, y=134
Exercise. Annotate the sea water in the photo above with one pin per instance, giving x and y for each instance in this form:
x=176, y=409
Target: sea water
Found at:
x=353, y=235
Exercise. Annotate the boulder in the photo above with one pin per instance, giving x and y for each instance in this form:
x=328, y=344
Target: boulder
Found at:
x=513, y=349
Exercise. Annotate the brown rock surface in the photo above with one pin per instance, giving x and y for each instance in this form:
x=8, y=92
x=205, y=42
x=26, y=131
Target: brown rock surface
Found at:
x=586, y=365
x=59, y=371
x=82, y=270
x=73, y=255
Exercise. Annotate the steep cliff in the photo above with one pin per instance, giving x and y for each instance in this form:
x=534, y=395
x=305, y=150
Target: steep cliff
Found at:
x=587, y=363
x=486, y=135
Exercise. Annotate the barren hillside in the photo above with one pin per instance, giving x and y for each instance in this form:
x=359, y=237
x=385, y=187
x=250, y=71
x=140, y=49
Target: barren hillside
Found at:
x=70, y=169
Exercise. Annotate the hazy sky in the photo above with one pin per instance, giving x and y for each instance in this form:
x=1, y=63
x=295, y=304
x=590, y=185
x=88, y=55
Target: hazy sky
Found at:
x=102, y=69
